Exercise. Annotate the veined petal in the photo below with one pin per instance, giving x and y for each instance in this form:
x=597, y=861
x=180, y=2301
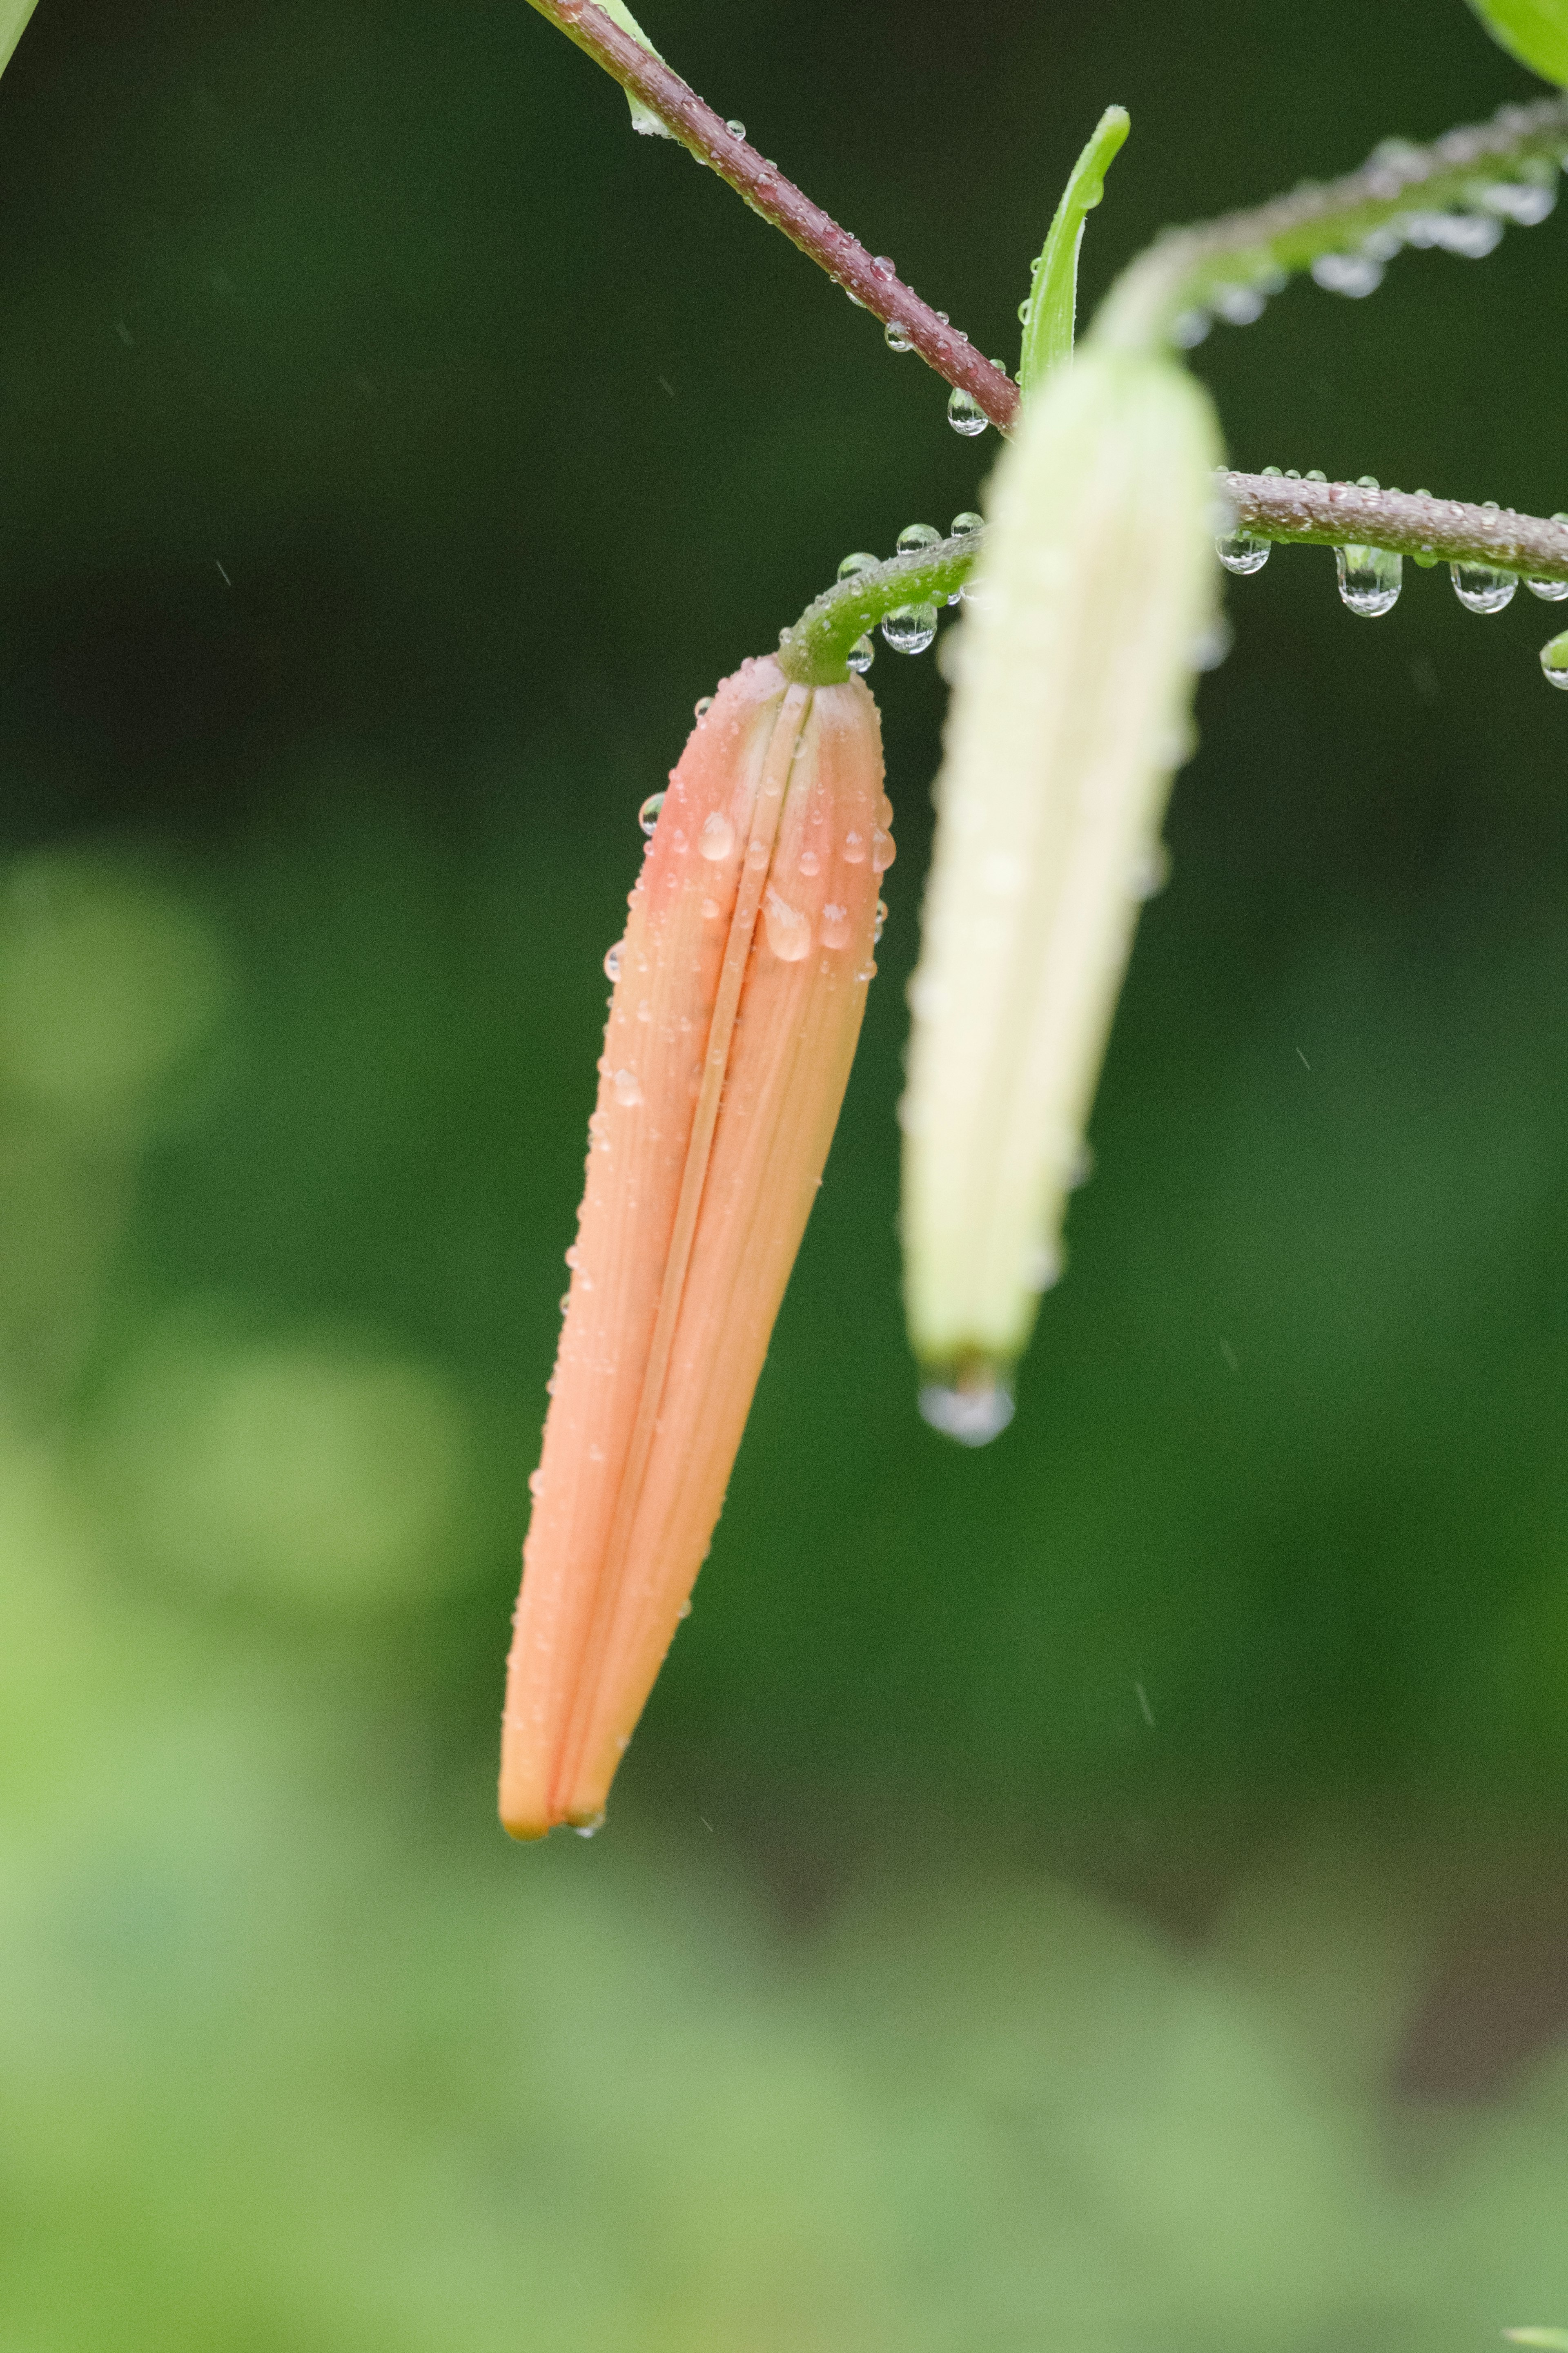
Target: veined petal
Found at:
x=1071, y=711
x=736, y=1011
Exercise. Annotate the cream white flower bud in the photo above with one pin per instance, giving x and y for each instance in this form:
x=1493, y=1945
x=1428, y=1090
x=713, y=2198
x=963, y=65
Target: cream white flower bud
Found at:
x=1073, y=688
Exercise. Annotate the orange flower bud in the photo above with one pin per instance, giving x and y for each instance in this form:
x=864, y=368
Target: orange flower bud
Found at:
x=738, y=993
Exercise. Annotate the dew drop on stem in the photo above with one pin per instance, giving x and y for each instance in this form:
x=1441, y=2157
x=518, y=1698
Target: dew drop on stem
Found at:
x=916, y=535
x=964, y=413
x=1243, y=550
x=1369, y=580
x=1481, y=587
x=860, y=656
x=910, y=628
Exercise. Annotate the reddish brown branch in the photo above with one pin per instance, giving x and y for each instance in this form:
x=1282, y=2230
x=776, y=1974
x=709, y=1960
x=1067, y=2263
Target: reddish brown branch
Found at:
x=763, y=187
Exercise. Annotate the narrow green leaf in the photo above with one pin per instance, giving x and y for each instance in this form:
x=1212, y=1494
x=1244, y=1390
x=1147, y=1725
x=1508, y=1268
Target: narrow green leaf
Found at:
x=14, y=15
x=1053, y=297
x=643, y=119
x=1534, y=31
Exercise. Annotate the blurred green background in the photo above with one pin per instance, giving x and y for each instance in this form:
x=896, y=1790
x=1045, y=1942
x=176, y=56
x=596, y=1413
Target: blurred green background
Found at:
x=1107, y=1892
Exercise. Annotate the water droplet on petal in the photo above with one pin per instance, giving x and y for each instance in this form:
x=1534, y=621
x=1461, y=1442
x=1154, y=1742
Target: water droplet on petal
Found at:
x=704, y=705
x=1243, y=550
x=717, y=838
x=834, y=926
x=809, y=862
x=1369, y=580
x=854, y=849
x=916, y=535
x=883, y=851
x=756, y=853
x=881, y=922
x=1481, y=587
x=685, y=1609
x=613, y=961
x=910, y=628
x=860, y=656
x=628, y=1091
x=647, y=816
x=590, y=1829
x=788, y=931
x=965, y=415
x=975, y=1406
x=897, y=337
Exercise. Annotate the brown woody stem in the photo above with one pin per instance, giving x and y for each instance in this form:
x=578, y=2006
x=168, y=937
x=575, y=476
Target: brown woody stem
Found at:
x=764, y=188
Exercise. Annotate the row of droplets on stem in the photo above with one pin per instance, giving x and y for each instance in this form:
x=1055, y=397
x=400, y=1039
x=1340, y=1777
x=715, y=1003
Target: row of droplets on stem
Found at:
x=1520, y=195
x=909, y=629
x=1371, y=578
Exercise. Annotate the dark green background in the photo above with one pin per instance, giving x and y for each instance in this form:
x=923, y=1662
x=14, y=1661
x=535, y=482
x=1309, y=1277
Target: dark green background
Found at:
x=394, y=448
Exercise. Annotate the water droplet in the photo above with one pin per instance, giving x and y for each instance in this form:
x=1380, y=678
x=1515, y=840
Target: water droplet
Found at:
x=1273, y=474
x=1189, y=328
x=809, y=862
x=917, y=535
x=1043, y=1268
x=963, y=524
x=628, y=1091
x=536, y=1478
x=613, y=961
x=1151, y=871
x=1523, y=202
x=965, y=415
x=685, y=1609
x=756, y=853
x=1554, y=662
x=1243, y=550
x=860, y=656
x=590, y=1829
x=834, y=926
x=1550, y=592
x=881, y=922
x=736, y=128
x=647, y=816
x=717, y=838
x=884, y=849
x=1026, y=310
x=1369, y=580
x=788, y=931
x=1315, y=474
x=1240, y=306
x=854, y=849
x=897, y=337
x=910, y=628
x=1210, y=650
x=975, y=1406
x=1367, y=482
x=1481, y=587
x=883, y=265
x=704, y=705
x=853, y=566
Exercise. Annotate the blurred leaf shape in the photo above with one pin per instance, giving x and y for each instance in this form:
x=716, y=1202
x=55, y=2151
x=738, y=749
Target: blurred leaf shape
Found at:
x=312, y=1472
x=109, y=980
x=1534, y=31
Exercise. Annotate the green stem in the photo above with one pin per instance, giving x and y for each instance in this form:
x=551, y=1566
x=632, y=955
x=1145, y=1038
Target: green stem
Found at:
x=1395, y=199
x=814, y=652
x=1053, y=295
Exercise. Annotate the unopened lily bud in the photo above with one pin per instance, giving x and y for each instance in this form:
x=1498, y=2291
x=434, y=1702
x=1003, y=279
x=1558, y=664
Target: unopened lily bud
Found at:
x=1071, y=709
x=740, y=988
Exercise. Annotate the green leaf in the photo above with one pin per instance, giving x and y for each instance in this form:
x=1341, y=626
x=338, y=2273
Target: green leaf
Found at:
x=1053, y=297
x=643, y=119
x=1534, y=31
x=14, y=15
